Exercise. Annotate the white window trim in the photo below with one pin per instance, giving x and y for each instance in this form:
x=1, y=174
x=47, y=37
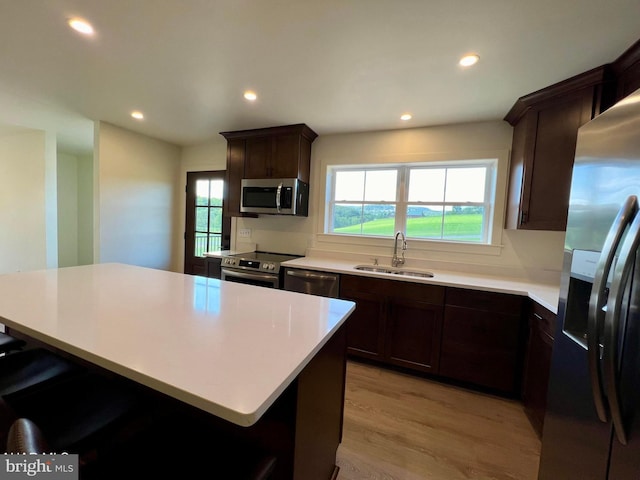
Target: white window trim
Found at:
x=337, y=242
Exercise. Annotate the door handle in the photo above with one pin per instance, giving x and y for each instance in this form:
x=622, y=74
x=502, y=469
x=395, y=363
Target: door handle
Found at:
x=597, y=300
x=311, y=276
x=612, y=326
x=278, y=196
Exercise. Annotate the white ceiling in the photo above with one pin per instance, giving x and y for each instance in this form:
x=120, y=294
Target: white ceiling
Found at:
x=337, y=65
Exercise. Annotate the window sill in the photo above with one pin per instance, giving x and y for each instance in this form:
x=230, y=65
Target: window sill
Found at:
x=327, y=239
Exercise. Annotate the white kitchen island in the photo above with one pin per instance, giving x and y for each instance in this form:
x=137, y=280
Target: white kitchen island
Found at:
x=228, y=349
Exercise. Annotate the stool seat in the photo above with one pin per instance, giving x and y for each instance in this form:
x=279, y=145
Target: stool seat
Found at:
x=9, y=343
x=23, y=371
x=72, y=413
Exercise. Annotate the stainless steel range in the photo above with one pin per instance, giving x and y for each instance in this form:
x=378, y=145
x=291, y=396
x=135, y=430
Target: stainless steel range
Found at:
x=255, y=268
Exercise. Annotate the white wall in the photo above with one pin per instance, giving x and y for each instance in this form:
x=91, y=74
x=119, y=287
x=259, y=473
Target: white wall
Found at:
x=85, y=209
x=518, y=251
x=67, y=210
x=28, y=237
x=75, y=209
x=135, y=183
x=515, y=250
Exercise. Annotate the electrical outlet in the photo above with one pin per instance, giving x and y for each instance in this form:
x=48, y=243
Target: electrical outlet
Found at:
x=244, y=233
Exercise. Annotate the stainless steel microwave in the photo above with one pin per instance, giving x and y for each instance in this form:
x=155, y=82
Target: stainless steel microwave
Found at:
x=275, y=196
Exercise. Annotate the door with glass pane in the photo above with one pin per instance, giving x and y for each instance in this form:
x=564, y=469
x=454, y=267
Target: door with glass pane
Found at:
x=206, y=227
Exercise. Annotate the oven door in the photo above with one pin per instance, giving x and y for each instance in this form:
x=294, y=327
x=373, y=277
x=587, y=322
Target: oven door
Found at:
x=250, y=278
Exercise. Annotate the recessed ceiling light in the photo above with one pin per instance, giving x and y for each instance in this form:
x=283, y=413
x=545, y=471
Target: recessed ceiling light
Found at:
x=250, y=95
x=469, y=60
x=137, y=115
x=80, y=25
x=405, y=116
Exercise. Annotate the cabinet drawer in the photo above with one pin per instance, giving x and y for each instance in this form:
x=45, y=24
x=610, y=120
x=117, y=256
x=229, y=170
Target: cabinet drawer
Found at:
x=433, y=294
x=546, y=320
x=487, y=301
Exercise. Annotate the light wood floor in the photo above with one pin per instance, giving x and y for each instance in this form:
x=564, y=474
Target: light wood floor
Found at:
x=399, y=427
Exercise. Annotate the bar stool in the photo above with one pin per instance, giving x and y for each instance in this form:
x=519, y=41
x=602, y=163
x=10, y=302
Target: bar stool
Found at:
x=9, y=343
x=26, y=437
x=23, y=371
x=75, y=414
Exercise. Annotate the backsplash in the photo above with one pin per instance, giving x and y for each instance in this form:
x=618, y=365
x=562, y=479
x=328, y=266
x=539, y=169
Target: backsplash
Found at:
x=523, y=253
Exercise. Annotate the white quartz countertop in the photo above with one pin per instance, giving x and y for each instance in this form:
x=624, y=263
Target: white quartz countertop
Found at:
x=227, y=348
x=546, y=294
x=224, y=253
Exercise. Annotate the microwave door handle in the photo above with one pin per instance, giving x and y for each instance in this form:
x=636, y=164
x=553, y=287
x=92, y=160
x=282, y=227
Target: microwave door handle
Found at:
x=278, y=195
x=612, y=326
x=597, y=299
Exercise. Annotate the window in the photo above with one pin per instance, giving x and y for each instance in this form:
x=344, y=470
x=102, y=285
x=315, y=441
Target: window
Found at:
x=450, y=201
x=208, y=212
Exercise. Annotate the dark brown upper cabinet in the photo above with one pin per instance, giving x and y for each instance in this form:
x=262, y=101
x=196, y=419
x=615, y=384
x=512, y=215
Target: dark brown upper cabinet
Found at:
x=545, y=131
x=274, y=152
x=627, y=71
x=280, y=156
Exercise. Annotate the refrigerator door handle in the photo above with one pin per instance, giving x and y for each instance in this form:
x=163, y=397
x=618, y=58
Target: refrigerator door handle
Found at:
x=612, y=326
x=597, y=301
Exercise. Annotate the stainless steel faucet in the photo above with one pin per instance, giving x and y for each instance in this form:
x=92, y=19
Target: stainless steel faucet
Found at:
x=395, y=261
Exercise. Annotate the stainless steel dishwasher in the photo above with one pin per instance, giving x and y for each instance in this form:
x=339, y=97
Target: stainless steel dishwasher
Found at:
x=312, y=282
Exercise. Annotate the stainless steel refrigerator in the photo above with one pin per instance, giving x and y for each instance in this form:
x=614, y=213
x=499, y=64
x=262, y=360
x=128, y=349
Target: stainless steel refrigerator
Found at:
x=592, y=424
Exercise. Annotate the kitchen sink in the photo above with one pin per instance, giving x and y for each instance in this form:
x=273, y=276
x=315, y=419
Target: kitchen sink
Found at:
x=394, y=271
x=370, y=268
x=413, y=273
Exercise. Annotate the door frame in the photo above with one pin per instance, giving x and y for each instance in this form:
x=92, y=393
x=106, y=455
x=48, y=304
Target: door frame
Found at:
x=197, y=265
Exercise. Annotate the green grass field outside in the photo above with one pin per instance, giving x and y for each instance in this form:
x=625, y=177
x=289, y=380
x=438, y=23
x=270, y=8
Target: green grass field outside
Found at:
x=456, y=227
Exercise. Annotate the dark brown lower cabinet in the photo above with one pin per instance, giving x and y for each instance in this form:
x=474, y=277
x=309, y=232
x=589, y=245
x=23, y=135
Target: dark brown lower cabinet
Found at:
x=537, y=364
x=471, y=336
x=395, y=322
x=366, y=325
x=213, y=267
x=482, y=339
x=413, y=334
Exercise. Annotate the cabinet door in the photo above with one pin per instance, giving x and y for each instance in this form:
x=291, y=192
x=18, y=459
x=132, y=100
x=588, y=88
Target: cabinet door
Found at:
x=258, y=157
x=481, y=347
x=537, y=364
x=286, y=153
x=213, y=267
x=548, y=159
x=233, y=177
x=536, y=377
x=627, y=68
x=413, y=334
x=273, y=157
x=629, y=81
x=365, y=326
